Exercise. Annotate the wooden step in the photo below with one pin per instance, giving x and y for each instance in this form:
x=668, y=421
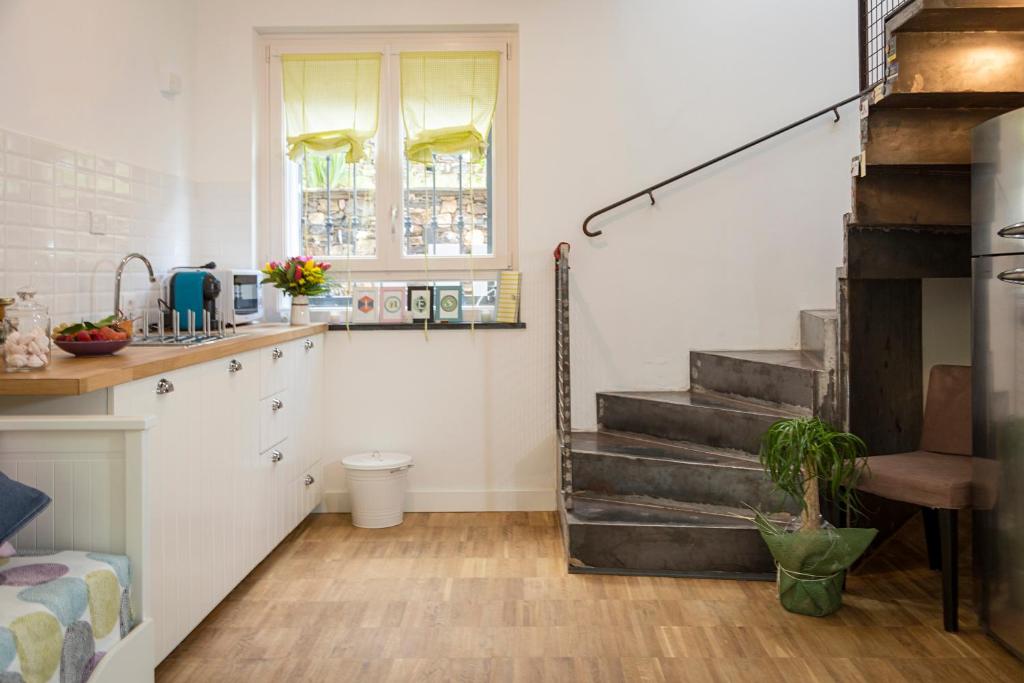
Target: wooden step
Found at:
x=630, y=464
x=957, y=15
x=888, y=252
x=954, y=65
x=920, y=136
x=900, y=195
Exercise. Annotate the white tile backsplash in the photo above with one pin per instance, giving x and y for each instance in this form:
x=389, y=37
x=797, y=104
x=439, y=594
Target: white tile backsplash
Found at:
x=53, y=201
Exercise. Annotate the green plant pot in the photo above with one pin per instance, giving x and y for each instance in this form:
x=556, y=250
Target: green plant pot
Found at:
x=814, y=597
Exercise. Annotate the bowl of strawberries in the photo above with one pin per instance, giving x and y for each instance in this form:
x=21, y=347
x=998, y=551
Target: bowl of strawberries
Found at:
x=92, y=339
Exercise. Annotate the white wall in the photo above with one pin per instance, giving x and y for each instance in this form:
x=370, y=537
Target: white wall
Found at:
x=85, y=128
x=945, y=323
x=614, y=95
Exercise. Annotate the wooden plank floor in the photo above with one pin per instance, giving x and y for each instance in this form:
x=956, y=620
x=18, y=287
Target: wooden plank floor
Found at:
x=485, y=597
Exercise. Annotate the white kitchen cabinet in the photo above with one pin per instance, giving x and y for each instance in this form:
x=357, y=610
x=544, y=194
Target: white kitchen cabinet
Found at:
x=176, y=516
x=275, y=368
x=308, y=359
x=275, y=419
x=311, y=488
x=229, y=470
x=229, y=442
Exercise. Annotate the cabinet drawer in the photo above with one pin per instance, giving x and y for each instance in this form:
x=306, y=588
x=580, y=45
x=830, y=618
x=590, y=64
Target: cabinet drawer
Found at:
x=275, y=419
x=275, y=368
x=312, y=488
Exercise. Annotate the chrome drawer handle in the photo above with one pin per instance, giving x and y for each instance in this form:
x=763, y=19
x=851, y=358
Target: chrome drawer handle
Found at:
x=309, y=480
x=276, y=404
x=234, y=366
x=1015, y=231
x=277, y=353
x=1014, y=276
x=276, y=456
x=309, y=344
x=164, y=386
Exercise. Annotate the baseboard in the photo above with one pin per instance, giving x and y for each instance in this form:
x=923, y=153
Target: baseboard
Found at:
x=457, y=501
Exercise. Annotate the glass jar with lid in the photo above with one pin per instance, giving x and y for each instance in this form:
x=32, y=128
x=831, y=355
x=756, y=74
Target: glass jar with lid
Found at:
x=26, y=334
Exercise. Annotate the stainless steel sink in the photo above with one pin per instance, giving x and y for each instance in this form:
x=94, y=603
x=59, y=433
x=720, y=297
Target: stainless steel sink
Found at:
x=184, y=340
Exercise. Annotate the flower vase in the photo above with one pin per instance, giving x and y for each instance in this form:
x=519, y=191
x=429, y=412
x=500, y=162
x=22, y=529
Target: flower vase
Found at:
x=300, y=310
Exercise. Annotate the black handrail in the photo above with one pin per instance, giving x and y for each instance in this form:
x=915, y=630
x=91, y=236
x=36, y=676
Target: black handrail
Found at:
x=649, y=191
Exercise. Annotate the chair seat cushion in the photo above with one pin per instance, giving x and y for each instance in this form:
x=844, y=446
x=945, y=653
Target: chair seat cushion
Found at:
x=924, y=478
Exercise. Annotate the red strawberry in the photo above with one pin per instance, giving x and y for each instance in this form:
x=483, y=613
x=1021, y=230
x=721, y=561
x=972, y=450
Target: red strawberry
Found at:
x=82, y=336
x=95, y=335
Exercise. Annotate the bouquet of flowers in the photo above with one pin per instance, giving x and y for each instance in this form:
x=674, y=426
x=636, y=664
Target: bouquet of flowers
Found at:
x=298, y=276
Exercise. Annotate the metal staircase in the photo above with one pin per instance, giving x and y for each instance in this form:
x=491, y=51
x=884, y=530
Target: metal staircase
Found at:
x=665, y=484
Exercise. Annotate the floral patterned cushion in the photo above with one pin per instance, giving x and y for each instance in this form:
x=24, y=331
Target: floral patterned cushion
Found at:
x=60, y=613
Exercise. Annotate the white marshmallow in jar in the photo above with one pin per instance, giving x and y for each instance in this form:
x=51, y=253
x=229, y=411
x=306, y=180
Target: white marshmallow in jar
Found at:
x=26, y=334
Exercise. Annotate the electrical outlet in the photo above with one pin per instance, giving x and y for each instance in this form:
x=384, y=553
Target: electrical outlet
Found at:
x=97, y=223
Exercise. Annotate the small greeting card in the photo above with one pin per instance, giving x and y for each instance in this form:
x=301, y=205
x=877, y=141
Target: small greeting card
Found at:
x=448, y=303
x=365, y=308
x=392, y=305
x=421, y=302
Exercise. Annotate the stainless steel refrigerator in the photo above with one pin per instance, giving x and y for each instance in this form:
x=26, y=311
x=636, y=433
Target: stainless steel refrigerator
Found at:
x=998, y=375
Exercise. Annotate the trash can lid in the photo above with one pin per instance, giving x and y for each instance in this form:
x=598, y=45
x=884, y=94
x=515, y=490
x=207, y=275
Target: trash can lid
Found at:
x=376, y=460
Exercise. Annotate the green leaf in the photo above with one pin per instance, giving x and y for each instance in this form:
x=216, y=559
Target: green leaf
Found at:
x=795, y=451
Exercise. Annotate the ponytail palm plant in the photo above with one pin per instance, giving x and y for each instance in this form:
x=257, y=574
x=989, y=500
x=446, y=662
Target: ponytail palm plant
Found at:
x=802, y=456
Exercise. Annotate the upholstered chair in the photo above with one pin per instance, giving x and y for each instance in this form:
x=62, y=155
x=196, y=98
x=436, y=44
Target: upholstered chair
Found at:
x=937, y=476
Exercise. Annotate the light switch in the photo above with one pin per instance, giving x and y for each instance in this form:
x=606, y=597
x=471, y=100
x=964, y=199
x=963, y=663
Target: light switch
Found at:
x=97, y=223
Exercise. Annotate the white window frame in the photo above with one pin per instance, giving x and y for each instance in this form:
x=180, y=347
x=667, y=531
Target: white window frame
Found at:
x=277, y=219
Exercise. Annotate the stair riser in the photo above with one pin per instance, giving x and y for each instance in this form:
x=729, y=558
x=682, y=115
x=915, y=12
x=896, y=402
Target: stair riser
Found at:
x=761, y=381
x=711, y=426
x=879, y=253
x=968, y=62
x=889, y=198
x=819, y=336
x=921, y=136
x=669, y=550
x=684, y=482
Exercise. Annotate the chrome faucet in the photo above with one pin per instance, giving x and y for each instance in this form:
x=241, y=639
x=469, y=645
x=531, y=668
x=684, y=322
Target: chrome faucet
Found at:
x=120, y=271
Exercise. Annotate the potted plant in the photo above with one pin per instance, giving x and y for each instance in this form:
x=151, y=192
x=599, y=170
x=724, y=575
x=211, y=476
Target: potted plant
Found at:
x=803, y=456
x=300, y=277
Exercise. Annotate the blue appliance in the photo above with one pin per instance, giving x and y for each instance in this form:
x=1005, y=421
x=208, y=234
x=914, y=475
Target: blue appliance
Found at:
x=195, y=291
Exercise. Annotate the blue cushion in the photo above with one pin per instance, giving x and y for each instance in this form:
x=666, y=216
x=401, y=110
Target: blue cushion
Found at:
x=19, y=504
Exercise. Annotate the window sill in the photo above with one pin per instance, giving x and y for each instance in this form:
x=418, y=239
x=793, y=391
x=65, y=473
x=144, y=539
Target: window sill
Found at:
x=430, y=326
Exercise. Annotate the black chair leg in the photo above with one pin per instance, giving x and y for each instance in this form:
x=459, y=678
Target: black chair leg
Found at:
x=948, y=528
x=931, y=537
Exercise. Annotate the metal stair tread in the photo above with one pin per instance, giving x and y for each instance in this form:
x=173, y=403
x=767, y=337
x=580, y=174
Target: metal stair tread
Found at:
x=621, y=510
x=706, y=400
x=795, y=359
x=638, y=446
x=826, y=313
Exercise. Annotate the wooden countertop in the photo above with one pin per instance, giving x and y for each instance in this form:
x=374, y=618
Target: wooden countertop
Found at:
x=68, y=375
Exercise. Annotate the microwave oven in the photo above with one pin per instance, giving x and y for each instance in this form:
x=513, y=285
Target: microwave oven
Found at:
x=240, y=299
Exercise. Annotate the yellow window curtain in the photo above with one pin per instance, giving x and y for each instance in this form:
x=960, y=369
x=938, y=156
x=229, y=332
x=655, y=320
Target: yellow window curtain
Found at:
x=448, y=102
x=331, y=102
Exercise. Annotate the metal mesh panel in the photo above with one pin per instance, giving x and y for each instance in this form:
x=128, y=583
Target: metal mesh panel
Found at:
x=873, y=14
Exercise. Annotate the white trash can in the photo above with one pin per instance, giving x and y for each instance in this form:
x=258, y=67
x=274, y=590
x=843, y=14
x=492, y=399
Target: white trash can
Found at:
x=377, y=483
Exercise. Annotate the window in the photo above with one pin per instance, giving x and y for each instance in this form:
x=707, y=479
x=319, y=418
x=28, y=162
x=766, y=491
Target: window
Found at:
x=429, y=191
